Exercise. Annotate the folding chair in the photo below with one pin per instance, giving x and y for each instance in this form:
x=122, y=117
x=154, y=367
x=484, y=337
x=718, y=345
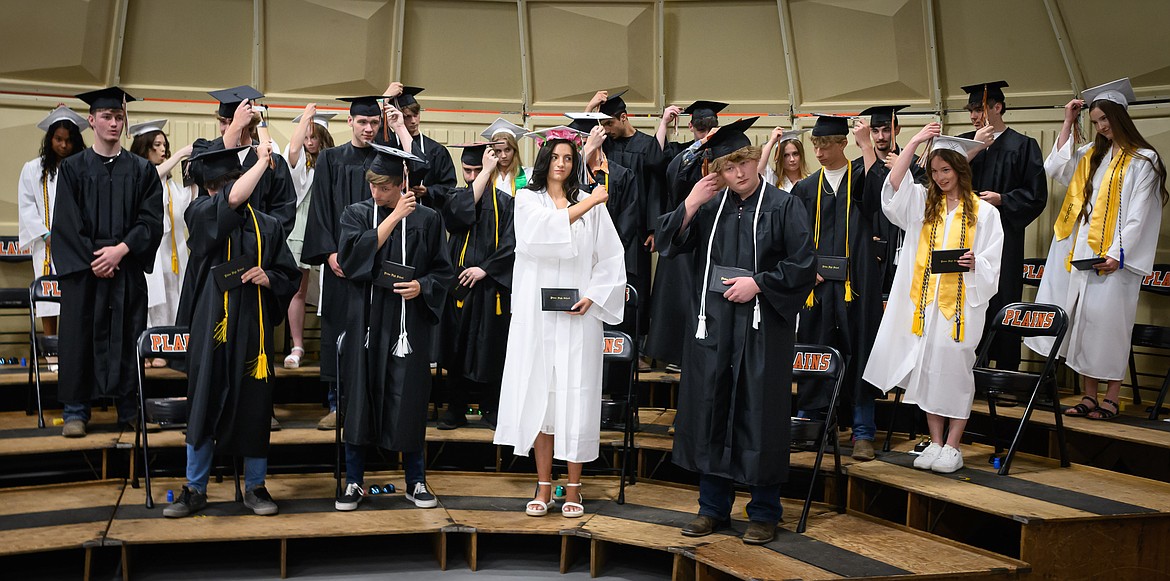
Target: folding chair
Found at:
x=622, y=348
x=17, y=298
x=1025, y=320
x=44, y=289
x=340, y=451
x=1154, y=337
x=820, y=362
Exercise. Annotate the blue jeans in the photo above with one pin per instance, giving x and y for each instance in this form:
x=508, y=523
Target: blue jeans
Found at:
x=127, y=409
x=199, y=467
x=864, y=426
x=413, y=463
x=716, y=495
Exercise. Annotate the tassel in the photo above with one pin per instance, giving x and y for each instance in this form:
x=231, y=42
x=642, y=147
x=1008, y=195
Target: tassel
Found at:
x=849, y=290
x=1121, y=263
x=808, y=304
x=258, y=368
x=918, y=322
x=701, y=331
x=367, y=343
x=459, y=305
x=402, y=347
x=220, y=332
x=499, y=308
x=174, y=262
x=756, y=315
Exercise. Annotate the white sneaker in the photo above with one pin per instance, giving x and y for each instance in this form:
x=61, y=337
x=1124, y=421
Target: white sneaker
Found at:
x=949, y=460
x=928, y=456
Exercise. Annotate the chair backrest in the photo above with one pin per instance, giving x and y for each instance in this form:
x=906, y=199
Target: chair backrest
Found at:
x=1033, y=270
x=618, y=346
x=1151, y=336
x=1031, y=320
x=10, y=250
x=1158, y=281
x=45, y=289
x=14, y=298
x=164, y=343
x=817, y=362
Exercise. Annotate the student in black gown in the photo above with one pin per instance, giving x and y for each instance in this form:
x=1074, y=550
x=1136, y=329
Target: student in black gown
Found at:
x=434, y=181
x=841, y=221
x=105, y=233
x=339, y=181
x=729, y=401
x=1008, y=174
x=482, y=248
x=387, y=376
x=230, y=376
x=275, y=195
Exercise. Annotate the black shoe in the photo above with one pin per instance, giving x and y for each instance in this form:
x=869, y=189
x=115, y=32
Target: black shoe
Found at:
x=489, y=418
x=420, y=496
x=260, y=501
x=702, y=526
x=451, y=420
x=759, y=533
x=189, y=502
x=351, y=498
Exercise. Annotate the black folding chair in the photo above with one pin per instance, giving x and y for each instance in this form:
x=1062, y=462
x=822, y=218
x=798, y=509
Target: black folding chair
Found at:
x=44, y=289
x=621, y=347
x=340, y=450
x=1024, y=320
x=17, y=299
x=1151, y=337
x=820, y=362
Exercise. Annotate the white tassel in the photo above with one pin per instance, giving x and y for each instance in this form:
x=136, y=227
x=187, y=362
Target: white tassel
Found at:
x=402, y=347
x=756, y=315
x=701, y=331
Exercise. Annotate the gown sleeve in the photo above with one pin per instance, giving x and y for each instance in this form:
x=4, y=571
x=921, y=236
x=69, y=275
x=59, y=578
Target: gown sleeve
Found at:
x=1061, y=163
x=145, y=232
x=983, y=282
x=284, y=278
x=459, y=212
x=282, y=195
x=357, y=244
x=1143, y=217
x=542, y=232
x=439, y=273
x=906, y=205
x=210, y=220
x=299, y=173
x=607, y=280
x=28, y=189
x=498, y=264
x=73, y=243
x=625, y=214
x=671, y=239
x=1023, y=204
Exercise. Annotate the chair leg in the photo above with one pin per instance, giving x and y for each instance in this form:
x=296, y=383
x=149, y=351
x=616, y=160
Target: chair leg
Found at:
x=893, y=420
x=1161, y=399
x=994, y=419
x=236, y=477
x=1007, y=460
x=1133, y=378
x=1060, y=439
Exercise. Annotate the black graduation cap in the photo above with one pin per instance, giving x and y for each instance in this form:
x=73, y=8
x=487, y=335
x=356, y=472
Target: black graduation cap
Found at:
x=367, y=105
x=390, y=160
x=108, y=98
x=729, y=139
x=882, y=115
x=215, y=162
x=994, y=92
x=830, y=125
x=472, y=153
x=704, y=109
x=614, y=105
x=231, y=98
x=407, y=99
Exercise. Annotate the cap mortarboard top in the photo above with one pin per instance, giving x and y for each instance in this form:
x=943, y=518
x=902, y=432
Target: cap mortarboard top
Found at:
x=108, y=98
x=63, y=113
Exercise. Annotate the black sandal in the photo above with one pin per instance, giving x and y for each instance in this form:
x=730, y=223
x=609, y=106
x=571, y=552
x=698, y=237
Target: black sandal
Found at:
x=1081, y=410
x=1104, y=414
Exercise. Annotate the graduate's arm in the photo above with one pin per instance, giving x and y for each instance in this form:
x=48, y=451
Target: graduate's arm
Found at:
x=864, y=140
x=674, y=229
x=28, y=192
x=623, y=209
x=405, y=207
x=902, y=165
x=241, y=119
x=73, y=243
x=357, y=244
x=459, y=212
x=321, y=230
x=241, y=190
x=483, y=181
x=766, y=150
x=142, y=238
x=670, y=114
x=605, y=294
x=786, y=285
x=296, y=146
x=168, y=165
x=542, y=232
x=1072, y=111
x=597, y=197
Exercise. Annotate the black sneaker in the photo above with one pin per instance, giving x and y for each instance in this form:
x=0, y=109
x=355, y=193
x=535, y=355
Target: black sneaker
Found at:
x=260, y=501
x=351, y=498
x=489, y=418
x=420, y=496
x=451, y=420
x=189, y=502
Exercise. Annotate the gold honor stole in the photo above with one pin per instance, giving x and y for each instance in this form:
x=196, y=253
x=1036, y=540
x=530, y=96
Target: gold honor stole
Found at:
x=808, y=303
x=950, y=286
x=1102, y=225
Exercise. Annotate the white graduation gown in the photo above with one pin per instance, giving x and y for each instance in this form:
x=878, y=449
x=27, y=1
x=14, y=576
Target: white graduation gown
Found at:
x=31, y=209
x=783, y=183
x=508, y=185
x=554, y=354
x=1101, y=309
x=302, y=178
x=934, y=369
x=164, y=285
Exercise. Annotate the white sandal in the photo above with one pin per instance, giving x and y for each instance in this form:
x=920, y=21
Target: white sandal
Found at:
x=580, y=508
x=538, y=507
x=293, y=360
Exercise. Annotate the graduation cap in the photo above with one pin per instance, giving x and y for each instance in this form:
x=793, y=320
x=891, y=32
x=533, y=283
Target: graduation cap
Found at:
x=390, y=161
x=994, y=92
x=215, y=161
x=1119, y=91
x=366, y=105
x=231, y=98
x=108, y=98
x=559, y=132
x=729, y=139
x=63, y=113
x=958, y=144
x=147, y=126
x=830, y=125
x=502, y=125
x=472, y=153
x=585, y=122
x=614, y=105
x=407, y=99
x=883, y=115
x=704, y=109
x=792, y=134
x=321, y=119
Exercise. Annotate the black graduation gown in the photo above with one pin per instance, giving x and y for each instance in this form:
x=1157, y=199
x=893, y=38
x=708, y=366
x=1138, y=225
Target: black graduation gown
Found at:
x=736, y=383
x=101, y=318
x=641, y=154
x=224, y=401
x=339, y=181
x=274, y=193
x=385, y=396
x=1013, y=167
x=832, y=320
x=475, y=333
x=890, y=236
x=625, y=211
x=670, y=313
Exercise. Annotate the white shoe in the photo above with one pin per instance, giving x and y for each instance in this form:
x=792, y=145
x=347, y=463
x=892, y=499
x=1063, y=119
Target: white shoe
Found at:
x=926, y=459
x=949, y=460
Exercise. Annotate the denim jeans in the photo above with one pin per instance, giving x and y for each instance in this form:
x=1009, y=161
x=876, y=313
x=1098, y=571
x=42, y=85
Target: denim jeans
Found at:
x=413, y=463
x=199, y=467
x=127, y=409
x=864, y=427
x=331, y=396
x=716, y=495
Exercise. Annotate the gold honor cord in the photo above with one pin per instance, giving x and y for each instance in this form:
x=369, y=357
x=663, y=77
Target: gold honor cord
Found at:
x=808, y=304
x=467, y=239
x=171, y=215
x=258, y=367
x=48, y=225
x=1108, y=196
x=950, y=302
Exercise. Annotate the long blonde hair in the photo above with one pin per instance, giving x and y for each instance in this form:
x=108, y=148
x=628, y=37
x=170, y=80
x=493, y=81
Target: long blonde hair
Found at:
x=513, y=169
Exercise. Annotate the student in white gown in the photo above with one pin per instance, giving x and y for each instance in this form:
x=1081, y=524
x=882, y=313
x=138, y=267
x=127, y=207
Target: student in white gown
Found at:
x=1112, y=210
x=551, y=389
x=933, y=322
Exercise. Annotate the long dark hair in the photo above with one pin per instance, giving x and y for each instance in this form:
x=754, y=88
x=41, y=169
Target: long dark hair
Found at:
x=539, y=179
x=1129, y=139
x=936, y=198
x=49, y=159
x=142, y=144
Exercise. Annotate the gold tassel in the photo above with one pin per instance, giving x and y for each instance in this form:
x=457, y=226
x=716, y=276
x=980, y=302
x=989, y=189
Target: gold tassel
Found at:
x=808, y=304
x=458, y=304
x=499, y=309
x=220, y=332
x=918, y=322
x=848, y=290
x=258, y=368
x=174, y=262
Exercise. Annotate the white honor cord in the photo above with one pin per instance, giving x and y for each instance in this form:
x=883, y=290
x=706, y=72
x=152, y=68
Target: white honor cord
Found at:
x=402, y=347
x=756, y=252
x=701, y=330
